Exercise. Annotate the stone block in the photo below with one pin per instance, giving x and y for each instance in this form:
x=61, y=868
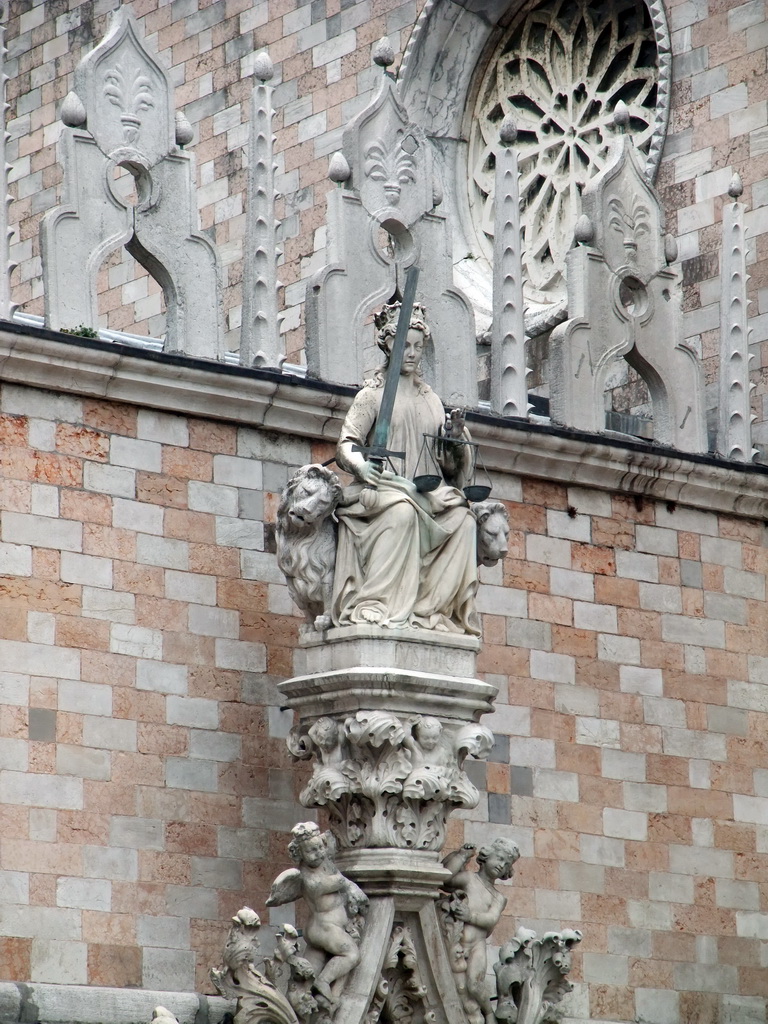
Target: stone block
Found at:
x=625, y=649
x=240, y=654
x=690, y=574
x=656, y=541
x=110, y=733
x=59, y=962
x=647, y=681
x=568, y=583
x=168, y=969
x=216, y=872
x=669, y=888
x=237, y=472
x=664, y=711
x=729, y=720
x=558, y=906
x=136, y=833
x=162, y=551
x=537, y=753
x=244, y=844
x=32, y=790
x=561, y=524
x=502, y=601
x=84, y=762
x=737, y=895
x=14, y=753
x=167, y=932
x=187, y=773
x=530, y=633
x=193, y=901
x=629, y=941
x=205, y=620
x=119, y=865
x=114, y=480
x=42, y=531
x=199, y=712
x=214, y=746
x=576, y=700
x=152, y=425
x=215, y=499
x=658, y=597
x=84, y=893
x=705, y=977
x=694, y=743
x=14, y=688
x=605, y=969
x=598, y=732
x=623, y=764
x=16, y=559
x=720, y=551
x=161, y=677
x=750, y=808
x=239, y=533
x=191, y=586
x=137, y=515
x=112, y=605
x=683, y=629
x=14, y=887
x=640, y=796
x=657, y=1006
x=601, y=618
x=634, y=566
x=548, y=550
x=132, y=453
x=654, y=916
x=556, y=668
x=602, y=850
x=625, y=824
x=136, y=641
x=280, y=815
x=554, y=785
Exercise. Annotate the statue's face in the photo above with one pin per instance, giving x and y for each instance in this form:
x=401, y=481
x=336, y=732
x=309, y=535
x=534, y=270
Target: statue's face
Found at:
x=313, y=851
x=497, y=865
x=414, y=346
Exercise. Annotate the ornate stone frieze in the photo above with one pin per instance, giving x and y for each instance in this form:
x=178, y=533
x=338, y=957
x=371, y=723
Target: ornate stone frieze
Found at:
x=120, y=115
x=388, y=782
x=401, y=995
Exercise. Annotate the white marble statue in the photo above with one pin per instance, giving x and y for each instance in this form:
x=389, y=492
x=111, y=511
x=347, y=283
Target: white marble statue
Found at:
x=472, y=914
x=335, y=904
x=405, y=558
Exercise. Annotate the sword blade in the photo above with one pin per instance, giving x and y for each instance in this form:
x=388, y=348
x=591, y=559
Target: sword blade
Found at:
x=381, y=430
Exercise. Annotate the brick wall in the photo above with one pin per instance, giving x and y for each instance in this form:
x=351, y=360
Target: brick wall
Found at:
x=146, y=787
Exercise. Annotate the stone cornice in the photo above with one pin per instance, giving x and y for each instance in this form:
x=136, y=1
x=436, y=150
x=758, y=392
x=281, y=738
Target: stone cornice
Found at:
x=293, y=405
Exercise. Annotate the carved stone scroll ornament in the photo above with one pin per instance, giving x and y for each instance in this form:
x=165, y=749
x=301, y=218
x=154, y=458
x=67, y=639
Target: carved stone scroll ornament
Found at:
x=120, y=115
x=389, y=782
x=470, y=914
x=531, y=975
x=401, y=996
x=259, y=1000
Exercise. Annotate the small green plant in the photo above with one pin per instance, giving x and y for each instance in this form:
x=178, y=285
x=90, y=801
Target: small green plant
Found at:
x=81, y=331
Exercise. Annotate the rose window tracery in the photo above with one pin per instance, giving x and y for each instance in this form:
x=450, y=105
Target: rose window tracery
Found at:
x=559, y=72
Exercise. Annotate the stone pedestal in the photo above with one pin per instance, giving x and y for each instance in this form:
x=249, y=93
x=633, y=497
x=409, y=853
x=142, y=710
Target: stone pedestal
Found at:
x=390, y=717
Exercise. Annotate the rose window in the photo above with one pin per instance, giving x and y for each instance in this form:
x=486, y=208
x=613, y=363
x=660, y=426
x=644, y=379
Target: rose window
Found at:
x=561, y=69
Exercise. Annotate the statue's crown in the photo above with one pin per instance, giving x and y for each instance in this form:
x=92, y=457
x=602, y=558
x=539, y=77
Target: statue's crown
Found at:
x=386, y=319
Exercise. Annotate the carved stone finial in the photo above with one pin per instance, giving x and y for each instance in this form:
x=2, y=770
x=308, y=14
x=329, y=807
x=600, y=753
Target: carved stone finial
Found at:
x=72, y=111
x=260, y=341
x=383, y=53
x=670, y=248
x=263, y=68
x=508, y=131
x=584, y=231
x=621, y=116
x=736, y=186
x=184, y=133
x=338, y=168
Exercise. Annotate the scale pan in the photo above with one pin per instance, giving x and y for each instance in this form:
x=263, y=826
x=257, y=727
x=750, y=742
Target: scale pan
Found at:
x=427, y=482
x=476, y=492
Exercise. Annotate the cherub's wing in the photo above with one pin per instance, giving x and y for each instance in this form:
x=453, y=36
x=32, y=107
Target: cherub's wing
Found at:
x=286, y=888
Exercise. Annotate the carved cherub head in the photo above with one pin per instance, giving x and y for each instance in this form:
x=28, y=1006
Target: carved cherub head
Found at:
x=496, y=859
x=427, y=731
x=308, y=845
x=324, y=733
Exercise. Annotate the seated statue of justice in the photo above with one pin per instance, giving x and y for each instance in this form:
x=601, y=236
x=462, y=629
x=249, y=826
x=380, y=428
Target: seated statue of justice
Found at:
x=399, y=547
x=406, y=555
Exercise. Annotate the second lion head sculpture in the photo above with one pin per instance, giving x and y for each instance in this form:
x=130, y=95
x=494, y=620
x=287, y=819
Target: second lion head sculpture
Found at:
x=306, y=540
x=492, y=531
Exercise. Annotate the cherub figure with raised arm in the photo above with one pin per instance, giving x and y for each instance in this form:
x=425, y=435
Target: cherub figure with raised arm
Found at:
x=477, y=906
x=335, y=903
x=405, y=558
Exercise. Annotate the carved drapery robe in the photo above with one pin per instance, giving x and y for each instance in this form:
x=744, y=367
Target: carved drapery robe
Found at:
x=407, y=557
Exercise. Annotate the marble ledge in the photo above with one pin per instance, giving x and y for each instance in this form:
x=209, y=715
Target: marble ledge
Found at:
x=291, y=405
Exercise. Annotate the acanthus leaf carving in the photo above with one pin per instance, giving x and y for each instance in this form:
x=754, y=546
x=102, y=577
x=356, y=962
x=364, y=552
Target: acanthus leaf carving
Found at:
x=387, y=781
x=531, y=975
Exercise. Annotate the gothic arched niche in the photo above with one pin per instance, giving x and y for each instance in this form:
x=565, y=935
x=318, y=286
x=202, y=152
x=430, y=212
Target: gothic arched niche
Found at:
x=558, y=67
